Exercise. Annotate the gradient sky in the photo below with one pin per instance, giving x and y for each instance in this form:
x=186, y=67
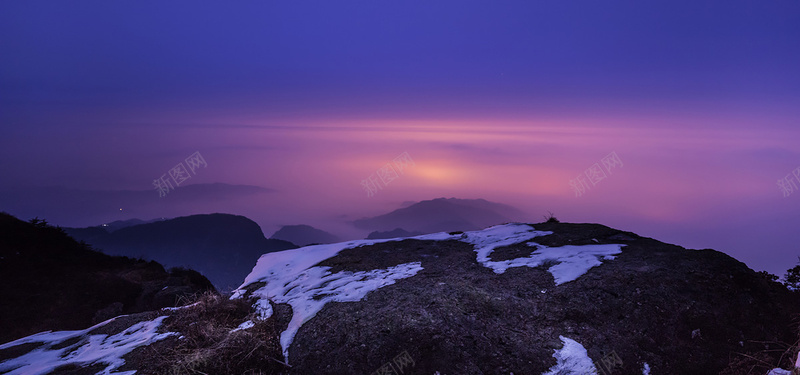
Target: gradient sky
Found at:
x=502, y=100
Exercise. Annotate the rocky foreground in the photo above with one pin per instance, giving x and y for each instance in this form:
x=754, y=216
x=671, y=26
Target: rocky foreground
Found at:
x=548, y=298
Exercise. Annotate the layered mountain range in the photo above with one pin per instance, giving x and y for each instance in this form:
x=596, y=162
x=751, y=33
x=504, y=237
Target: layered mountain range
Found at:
x=221, y=246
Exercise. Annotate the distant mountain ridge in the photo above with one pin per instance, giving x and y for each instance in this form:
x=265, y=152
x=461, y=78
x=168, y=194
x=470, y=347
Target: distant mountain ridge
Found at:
x=59, y=204
x=398, y=232
x=222, y=247
x=303, y=235
x=442, y=215
x=119, y=224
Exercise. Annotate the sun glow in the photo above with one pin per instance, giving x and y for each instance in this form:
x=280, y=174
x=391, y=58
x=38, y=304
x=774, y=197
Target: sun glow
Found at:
x=438, y=174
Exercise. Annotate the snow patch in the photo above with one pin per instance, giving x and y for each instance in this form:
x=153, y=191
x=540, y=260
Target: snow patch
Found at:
x=646, y=369
x=572, y=358
x=246, y=325
x=312, y=289
x=263, y=309
x=779, y=371
x=294, y=261
x=263, y=312
x=89, y=349
x=571, y=261
x=308, y=290
x=180, y=307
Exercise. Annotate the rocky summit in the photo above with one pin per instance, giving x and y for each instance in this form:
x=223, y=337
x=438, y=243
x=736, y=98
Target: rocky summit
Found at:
x=548, y=298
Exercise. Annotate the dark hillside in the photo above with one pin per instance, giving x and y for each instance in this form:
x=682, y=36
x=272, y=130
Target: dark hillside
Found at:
x=49, y=281
x=222, y=247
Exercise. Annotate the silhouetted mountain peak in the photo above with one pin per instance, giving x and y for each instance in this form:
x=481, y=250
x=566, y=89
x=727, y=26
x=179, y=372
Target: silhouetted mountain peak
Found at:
x=221, y=246
x=443, y=214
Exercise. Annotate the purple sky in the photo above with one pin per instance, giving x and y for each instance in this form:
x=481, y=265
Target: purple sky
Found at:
x=506, y=101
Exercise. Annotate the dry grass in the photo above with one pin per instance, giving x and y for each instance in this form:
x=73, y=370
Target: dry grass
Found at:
x=209, y=347
x=761, y=362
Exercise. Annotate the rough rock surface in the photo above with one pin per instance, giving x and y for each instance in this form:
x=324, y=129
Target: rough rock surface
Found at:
x=680, y=311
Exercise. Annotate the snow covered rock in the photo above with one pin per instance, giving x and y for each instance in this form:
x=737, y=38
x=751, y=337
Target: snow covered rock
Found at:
x=548, y=298
x=57, y=350
x=499, y=300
